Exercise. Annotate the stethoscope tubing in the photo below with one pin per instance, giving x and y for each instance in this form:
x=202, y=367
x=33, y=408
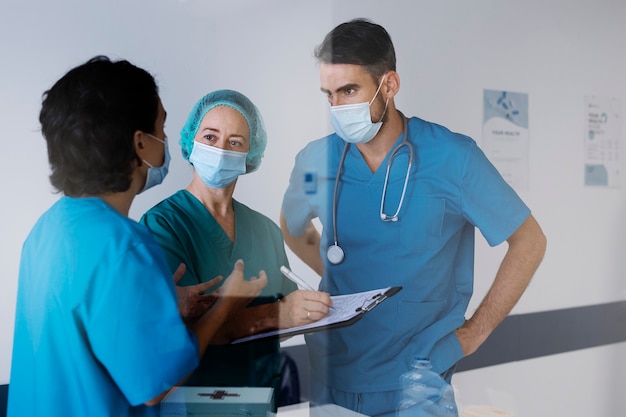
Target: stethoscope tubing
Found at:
x=335, y=253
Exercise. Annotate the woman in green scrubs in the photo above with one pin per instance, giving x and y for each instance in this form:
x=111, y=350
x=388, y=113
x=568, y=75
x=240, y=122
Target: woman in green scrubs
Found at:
x=205, y=228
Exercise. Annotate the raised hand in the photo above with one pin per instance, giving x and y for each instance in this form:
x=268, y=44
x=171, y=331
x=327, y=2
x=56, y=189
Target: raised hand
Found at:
x=192, y=300
x=238, y=291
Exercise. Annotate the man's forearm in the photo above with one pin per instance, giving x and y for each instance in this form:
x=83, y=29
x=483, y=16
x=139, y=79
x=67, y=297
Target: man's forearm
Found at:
x=526, y=249
x=305, y=247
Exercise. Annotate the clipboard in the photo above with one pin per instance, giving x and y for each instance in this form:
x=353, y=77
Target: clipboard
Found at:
x=347, y=310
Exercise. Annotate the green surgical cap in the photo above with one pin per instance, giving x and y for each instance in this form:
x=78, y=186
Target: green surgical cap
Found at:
x=239, y=102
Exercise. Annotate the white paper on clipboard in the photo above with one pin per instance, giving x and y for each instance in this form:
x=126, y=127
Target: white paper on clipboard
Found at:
x=346, y=310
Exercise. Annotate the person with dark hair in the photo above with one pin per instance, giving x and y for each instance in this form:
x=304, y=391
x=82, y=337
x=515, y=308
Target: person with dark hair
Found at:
x=89, y=338
x=204, y=227
x=399, y=200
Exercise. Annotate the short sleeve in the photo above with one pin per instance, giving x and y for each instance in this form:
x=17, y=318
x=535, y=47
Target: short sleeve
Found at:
x=135, y=329
x=307, y=195
x=162, y=231
x=287, y=286
x=488, y=201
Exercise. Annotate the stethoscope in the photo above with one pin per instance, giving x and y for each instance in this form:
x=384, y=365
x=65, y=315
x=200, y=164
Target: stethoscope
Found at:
x=334, y=253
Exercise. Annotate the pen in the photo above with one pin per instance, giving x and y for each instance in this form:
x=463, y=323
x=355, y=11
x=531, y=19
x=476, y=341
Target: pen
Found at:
x=297, y=280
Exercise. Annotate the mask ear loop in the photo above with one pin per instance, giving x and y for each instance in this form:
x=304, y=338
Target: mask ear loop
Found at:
x=376, y=94
x=378, y=89
x=163, y=141
x=384, y=111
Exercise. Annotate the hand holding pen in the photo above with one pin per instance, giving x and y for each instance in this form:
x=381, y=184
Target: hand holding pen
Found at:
x=315, y=304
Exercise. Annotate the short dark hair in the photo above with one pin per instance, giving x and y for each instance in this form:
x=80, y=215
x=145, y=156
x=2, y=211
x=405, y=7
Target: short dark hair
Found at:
x=89, y=118
x=359, y=42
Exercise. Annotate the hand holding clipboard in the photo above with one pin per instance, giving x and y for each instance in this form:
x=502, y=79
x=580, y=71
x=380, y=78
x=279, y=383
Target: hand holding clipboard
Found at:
x=347, y=309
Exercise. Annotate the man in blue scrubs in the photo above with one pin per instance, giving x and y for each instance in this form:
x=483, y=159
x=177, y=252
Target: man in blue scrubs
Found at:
x=97, y=329
x=399, y=200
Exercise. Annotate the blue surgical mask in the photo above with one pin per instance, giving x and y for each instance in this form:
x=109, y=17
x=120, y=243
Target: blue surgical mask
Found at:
x=156, y=175
x=217, y=167
x=353, y=122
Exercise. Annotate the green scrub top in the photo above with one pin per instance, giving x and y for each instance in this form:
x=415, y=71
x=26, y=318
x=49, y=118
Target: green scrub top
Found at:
x=188, y=233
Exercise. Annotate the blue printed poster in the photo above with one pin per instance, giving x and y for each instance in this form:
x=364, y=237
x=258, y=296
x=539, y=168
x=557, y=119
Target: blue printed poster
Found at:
x=506, y=136
x=603, y=131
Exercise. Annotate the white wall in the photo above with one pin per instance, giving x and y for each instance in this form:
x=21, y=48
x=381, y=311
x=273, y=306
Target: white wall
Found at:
x=448, y=51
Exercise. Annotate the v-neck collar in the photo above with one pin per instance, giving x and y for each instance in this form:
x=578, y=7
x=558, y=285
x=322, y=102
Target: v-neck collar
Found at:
x=218, y=236
x=362, y=170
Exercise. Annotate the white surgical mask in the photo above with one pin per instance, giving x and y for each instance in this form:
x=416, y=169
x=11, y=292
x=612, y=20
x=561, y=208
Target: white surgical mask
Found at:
x=217, y=167
x=353, y=122
x=156, y=175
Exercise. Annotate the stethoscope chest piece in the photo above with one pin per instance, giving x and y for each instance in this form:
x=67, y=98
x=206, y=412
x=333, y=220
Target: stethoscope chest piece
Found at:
x=335, y=254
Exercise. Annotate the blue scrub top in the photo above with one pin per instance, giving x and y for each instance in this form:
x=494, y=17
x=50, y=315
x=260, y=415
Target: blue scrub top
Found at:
x=429, y=251
x=97, y=329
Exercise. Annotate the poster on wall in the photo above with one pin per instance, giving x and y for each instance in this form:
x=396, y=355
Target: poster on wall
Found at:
x=603, y=131
x=505, y=135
